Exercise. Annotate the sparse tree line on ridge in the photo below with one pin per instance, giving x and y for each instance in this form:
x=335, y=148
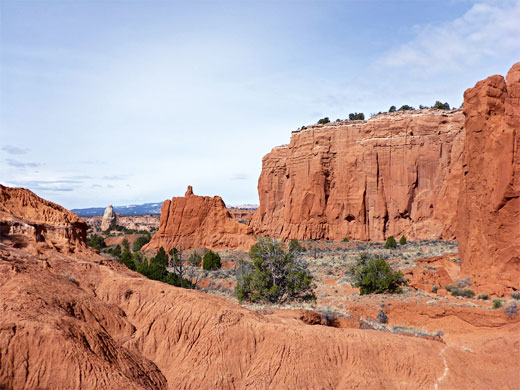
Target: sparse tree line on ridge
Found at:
x=355, y=116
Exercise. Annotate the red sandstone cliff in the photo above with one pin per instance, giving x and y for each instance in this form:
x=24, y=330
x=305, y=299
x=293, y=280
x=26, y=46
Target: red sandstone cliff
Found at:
x=489, y=204
x=199, y=221
x=24, y=213
x=393, y=174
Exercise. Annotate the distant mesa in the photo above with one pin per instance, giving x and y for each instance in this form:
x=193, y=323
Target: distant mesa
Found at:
x=109, y=220
x=199, y=221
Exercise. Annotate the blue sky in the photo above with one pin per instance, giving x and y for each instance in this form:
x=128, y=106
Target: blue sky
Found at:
x=120, y=102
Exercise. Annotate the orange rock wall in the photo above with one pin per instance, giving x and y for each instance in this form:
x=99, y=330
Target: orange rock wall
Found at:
x=393, y=174
x=49, y=223
x=489, y=204
x=199, y=221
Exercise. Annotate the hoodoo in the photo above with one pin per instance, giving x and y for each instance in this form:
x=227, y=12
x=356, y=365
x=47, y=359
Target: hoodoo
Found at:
x=394, y=174
x=199, y=221
x=109, y=219
x=489, y=204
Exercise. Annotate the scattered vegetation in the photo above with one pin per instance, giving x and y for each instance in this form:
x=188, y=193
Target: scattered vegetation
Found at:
x=96, y=242
x=406, y=107
x=382, y=318
x=156, y=269
x=390, y=243
x=441, y=106
x=457, y=291
x=356, y=116
x=497, y=303
x=484, y=297
x=211, y=261
x=346, y=239
x=374, y=275
x=195, y=259
x=515, y=295
x=324, y=121
x=511, y=310
x=275, y=275
x=140, y=242
x=295, y=246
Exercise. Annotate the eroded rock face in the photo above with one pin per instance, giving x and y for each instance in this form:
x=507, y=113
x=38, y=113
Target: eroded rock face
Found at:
x=22, y=213
x=199, y=221
x=489, y=204
x=393, y=174
x=109, y=219
x=81, y=321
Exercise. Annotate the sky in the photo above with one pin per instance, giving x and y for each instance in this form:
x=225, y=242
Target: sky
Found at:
x=129, y=102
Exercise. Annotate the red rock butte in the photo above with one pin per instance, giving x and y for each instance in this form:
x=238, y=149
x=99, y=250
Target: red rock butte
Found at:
x=489, y=203
x=199, y=221
x=394, y=174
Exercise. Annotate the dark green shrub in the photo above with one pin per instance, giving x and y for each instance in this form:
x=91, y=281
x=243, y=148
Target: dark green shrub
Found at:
x=140, y=242
x=156, y=270
x=211, y=261
x=195, y=259
x=96, y=242
x=374, y=275
x=392, y=109
x=160, y=258
x=497, y=303
x=390, y=242
x=295, y=246
x=402, y=240
x=460, y=292
x=356, y=116
x=324, y=121
x=515, y=295
x=275, y=275
x=126, y=259
x=116, y=251
x=511, y=310
x=382, y=317
x=406, y=107
x=346, y=239
x=441, y=106
x=484, y=297
x=435, y=289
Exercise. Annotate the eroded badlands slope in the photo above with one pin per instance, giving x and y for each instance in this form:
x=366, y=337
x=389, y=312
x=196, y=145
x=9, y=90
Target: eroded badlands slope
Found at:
x=79, y=321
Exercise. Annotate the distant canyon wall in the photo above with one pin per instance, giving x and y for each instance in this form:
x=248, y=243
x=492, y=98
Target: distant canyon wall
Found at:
x=397, y=173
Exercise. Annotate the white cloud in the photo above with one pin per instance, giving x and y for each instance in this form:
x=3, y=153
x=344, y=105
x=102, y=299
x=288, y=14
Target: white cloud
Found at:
x=488, y=29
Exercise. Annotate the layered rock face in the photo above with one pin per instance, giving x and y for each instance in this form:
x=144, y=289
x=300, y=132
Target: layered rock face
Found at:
x=109, y=219
x=22, y=213
x=199, y=221
x=394, y=174
x=489, y=204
